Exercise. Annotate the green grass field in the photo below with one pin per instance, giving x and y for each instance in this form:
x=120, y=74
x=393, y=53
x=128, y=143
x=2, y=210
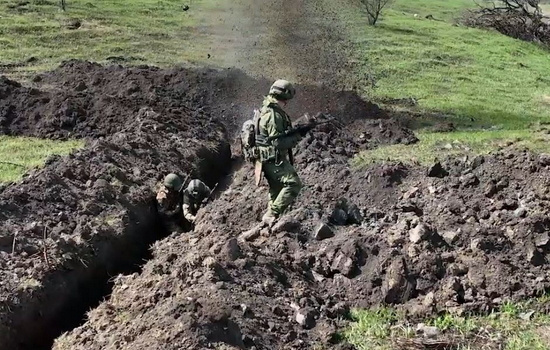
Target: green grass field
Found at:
x=477, y=79
x=513, y=327
x=18, y=154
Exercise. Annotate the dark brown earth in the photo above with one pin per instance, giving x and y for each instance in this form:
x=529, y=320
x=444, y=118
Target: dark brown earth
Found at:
x=464, y=235
x=67, y=229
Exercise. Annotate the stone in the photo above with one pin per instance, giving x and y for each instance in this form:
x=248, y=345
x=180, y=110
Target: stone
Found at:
x=469, y=180
x=81, y=86
x=323, y=231
x=339, y=217
x=251, y=234
x=396, y=288
x=520, y=212
x=542, y=239
x=232, y=250
x=418, y=233
x=306, y=318
x=490, y=190
x=427, y=331
x=429, y=300
x=534, y=256
x=354, y=215
x=411, y=193
x=451, y=236
x=544, y=159
x=286, y=224
x=437, y=170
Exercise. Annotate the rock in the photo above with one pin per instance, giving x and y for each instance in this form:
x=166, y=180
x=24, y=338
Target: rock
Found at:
x=542, y=239
x=477, y=161
x=469, y=180
x=534, y=256
x=354, y=215
x=520, y=212
x=427, y=331
x=341, y=309
x=544, y=159
x=232, y=250
x=396, y=288
x=437, y=170
x=251, y=234
x=411, y=193
x=418, y=233
x=323, y=231
x=306, y=318
x=429, y=300
x=81, y=86
x=526, y=316
x=185, y=8
x=286, y=224
x=451, y=236
x=490, y=190
x=278, y=311
x=339, y=217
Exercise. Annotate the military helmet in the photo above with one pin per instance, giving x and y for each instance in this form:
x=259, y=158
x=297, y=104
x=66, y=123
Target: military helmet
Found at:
x=194, y=188
x=282, y=90
x=173, y=182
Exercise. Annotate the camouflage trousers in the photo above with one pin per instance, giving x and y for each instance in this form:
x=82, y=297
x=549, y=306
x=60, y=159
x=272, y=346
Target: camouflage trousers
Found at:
x=284, y=185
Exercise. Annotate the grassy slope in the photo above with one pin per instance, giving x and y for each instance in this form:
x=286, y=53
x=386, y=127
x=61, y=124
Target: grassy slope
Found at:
x=147, y=31
x=476, y=79
x=18, y=154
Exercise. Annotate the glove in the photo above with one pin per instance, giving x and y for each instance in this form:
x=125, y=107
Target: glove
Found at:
x=304, y=129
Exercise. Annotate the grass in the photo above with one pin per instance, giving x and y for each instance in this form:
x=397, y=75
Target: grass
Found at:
x=140, y=31
x=476, y=77
x=508, y=328
x=462, y=143
x=19, y=154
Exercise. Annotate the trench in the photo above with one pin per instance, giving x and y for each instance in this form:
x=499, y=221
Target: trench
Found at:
x=69, y=296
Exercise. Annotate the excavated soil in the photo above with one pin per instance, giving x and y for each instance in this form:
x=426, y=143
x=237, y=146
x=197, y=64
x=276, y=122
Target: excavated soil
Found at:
x=465, y=242
x=67, y=229
x=464, y=235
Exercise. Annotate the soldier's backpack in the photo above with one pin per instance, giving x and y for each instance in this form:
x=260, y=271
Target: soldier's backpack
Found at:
x=249, y=133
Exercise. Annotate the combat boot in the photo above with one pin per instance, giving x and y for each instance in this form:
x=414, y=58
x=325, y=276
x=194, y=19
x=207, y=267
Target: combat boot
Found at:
x=269, y=218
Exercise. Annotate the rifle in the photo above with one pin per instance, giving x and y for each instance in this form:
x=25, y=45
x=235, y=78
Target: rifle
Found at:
x=204, y=201
x=300, y=129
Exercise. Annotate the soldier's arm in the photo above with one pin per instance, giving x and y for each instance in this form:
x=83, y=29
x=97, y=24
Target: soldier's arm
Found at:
x=273, y=124
x=187, y=213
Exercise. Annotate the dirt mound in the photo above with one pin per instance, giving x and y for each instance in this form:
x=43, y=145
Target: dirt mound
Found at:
x=464, y=235
x=65, y=230
x=86, y=99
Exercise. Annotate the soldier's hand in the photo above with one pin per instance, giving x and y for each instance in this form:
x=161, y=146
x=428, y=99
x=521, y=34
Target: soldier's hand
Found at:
x=304, y=129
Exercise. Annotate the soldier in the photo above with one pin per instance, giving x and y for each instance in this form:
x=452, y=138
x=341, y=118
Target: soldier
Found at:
x=169, y=202
x=276, y=156
x=196, y=194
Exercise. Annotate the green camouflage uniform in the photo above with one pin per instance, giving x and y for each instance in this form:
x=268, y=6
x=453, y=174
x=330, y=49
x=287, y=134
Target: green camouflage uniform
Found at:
x=276, y=157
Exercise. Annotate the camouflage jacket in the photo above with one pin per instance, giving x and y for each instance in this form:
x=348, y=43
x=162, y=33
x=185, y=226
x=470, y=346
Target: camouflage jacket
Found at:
x=273, y=122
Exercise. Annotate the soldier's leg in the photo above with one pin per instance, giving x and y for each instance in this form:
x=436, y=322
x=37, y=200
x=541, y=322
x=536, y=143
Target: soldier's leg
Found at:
x=273, y=180
x=291, y=186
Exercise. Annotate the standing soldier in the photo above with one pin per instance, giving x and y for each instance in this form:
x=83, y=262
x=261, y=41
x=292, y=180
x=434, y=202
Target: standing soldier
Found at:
x=275, y=150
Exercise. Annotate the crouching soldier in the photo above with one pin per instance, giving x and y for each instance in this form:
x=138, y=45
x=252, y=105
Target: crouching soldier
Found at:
x=169, y=203
x=195, y=195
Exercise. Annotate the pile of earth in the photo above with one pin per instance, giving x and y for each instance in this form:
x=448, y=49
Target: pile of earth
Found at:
x=83, y=99
x=464, y=235
x=67, y=228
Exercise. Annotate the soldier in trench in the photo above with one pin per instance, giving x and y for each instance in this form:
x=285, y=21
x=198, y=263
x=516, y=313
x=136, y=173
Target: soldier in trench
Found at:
x=178, y=207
